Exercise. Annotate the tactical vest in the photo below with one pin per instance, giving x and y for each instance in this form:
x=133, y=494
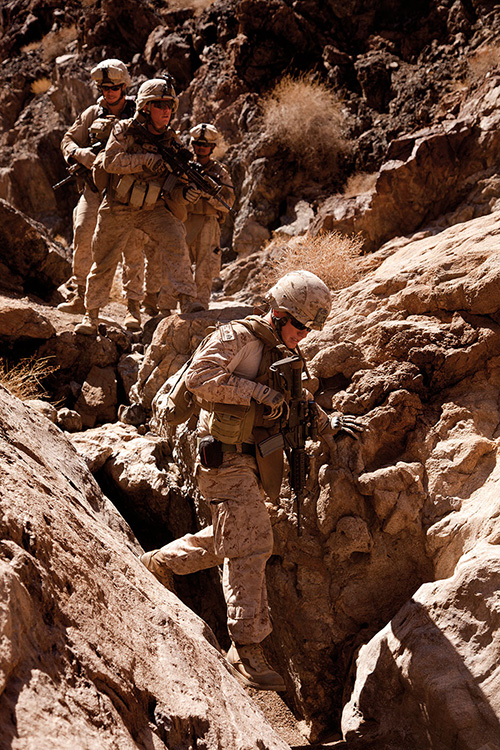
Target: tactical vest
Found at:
x=232, y=423
x=99, y=132
x=138, y=191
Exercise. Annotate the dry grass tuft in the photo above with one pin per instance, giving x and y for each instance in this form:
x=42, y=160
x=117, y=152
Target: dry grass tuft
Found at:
x=40, y=86
x=485, y=60
x=357, y=184
x=306, y=117
x=25, y=379
x=331, y=256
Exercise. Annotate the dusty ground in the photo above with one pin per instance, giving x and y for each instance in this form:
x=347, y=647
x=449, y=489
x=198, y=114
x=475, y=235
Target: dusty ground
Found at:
x=284, y=722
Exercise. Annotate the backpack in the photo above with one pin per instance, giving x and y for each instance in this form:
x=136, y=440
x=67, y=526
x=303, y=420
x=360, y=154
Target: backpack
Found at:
x=173, y=404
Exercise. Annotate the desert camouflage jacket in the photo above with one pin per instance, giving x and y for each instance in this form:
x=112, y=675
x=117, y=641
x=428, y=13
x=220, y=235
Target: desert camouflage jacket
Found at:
x=225, y=368
x=78, y=135
x=211, y=206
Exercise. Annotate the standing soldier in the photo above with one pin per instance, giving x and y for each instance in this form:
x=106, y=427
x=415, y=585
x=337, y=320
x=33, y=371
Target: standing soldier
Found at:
x=81, y=143
x=142, y=194
x=205, y=217
x=246, y=402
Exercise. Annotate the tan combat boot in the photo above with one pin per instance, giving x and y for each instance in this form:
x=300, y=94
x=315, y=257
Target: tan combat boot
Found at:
x=150, y=304
x=160, y=571
x=89, y=324
x=133, y=318
x=189, y=304
x=248, y=664
x=76, y=304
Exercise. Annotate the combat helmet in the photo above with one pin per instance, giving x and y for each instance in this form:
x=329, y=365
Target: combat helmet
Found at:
x=111, y=72
x=156, y=89
x=304, y=296
x=204, y=133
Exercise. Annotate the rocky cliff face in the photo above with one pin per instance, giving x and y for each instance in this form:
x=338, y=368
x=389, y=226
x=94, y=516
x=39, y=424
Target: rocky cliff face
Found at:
x=385, y=611
x=94, y=651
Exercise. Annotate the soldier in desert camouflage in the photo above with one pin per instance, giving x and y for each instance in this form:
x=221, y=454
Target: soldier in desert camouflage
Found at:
x=142, y=195
x=203, y=224
x=230, y=374
x=92, y=128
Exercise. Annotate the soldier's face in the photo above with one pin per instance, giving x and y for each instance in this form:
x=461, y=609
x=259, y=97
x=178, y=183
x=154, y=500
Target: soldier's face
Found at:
x=112, y=94
x=291, y=335
x=160, y=112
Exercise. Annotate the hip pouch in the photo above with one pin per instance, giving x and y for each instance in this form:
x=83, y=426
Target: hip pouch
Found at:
x=210, y=452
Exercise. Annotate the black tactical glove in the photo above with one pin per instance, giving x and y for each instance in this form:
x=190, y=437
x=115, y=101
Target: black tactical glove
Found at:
x=346, y=423
x=267, y=396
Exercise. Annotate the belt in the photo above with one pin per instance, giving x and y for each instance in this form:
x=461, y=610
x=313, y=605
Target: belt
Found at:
x=248, y=448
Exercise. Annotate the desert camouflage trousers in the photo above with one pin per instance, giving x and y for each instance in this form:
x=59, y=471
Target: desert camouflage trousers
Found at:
x=84, y=224
x=153, y=269
x=240, y=539
x=115, y=227
x=203, y=238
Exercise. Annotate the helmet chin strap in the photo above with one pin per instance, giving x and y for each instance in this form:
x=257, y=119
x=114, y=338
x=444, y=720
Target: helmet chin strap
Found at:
x=278, y=323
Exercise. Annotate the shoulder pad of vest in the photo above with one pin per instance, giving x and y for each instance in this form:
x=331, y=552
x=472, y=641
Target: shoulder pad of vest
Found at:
x=261, y=329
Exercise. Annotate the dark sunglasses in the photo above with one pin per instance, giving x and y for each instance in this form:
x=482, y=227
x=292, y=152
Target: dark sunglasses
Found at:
x=163, y=104
x=104, y=87
x=298, y=325
x=202, y=143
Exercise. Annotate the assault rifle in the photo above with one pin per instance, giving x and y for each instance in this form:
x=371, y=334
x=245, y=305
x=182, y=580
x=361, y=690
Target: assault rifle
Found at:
x=181, y=164
x=79, y=170
x=301, y=423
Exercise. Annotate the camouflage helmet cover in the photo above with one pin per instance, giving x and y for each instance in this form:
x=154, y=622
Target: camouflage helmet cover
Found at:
x=156, y=89
x=111, y=72
x=304, y=296
x=204, y=132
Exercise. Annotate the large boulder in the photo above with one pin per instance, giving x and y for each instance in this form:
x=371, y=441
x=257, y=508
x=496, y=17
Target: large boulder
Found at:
x=430, y=677
x=444, y=168
x=94, y=651
x=32, y=262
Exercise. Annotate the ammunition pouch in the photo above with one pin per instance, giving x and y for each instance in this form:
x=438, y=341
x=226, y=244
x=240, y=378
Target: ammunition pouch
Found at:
x=137, y=193
x=231, y=423
x=101, y=128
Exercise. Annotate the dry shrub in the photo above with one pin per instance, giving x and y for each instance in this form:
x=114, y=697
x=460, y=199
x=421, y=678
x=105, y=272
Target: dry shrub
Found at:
x=25, y=379
x=484, y=60
x=54, y=43
x=32, y=46
x=331, y=256
x=306, y=117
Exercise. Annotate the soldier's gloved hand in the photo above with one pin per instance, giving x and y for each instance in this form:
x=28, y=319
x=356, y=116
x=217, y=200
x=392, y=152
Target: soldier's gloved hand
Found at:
x=192, y=194
x=154, y=163
x=85, y=156
x=269, y=397
x=346, y=423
